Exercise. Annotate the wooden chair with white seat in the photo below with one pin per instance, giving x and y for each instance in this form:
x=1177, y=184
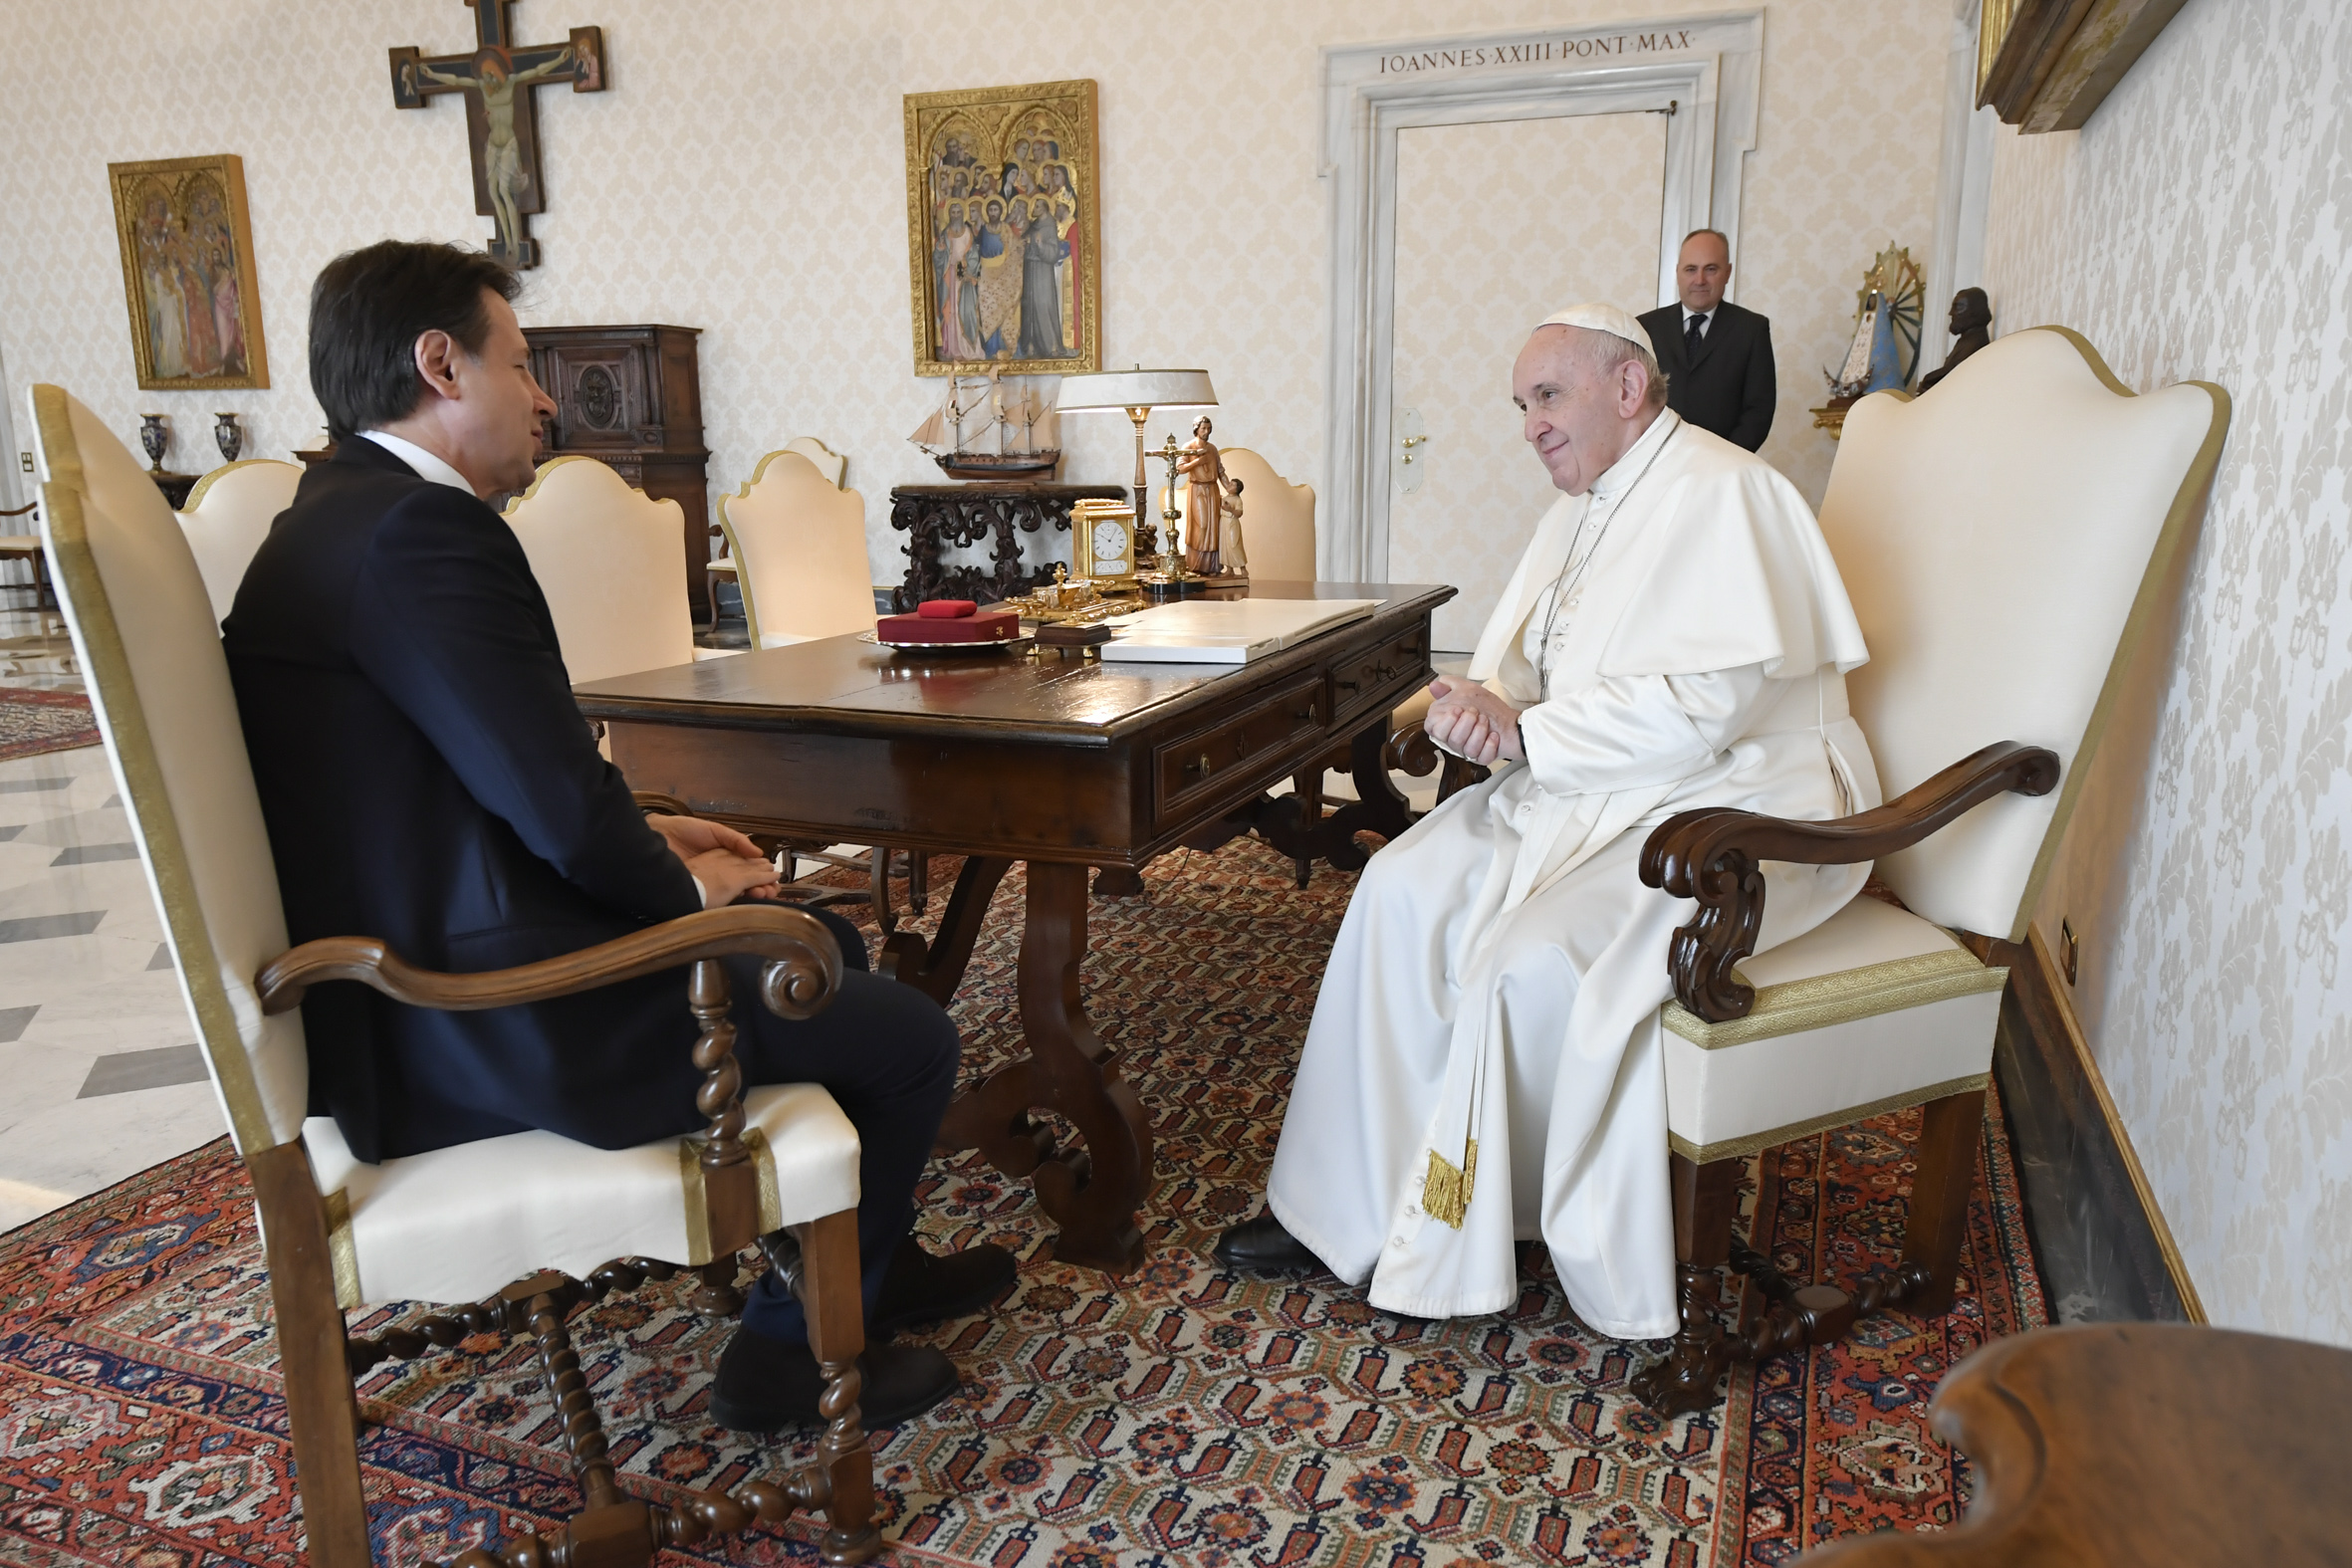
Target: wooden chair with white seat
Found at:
x=606, y=555
x=517, y=1230
x=2005, y=540
x=798, y=542
x=831, y=464
x=228, y=515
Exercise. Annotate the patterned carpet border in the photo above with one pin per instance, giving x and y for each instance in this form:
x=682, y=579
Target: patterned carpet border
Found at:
x=34, y=722
x=1182, y=1416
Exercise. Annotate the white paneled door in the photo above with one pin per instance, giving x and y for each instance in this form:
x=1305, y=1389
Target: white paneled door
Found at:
x=1498, y=225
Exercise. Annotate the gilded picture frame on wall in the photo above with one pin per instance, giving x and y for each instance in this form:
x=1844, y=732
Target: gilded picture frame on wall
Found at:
x=187, y=274
x=1004, y=229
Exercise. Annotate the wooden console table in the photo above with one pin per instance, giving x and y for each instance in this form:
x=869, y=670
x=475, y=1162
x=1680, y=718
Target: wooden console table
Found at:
x=1063, y=763
x=934, y=517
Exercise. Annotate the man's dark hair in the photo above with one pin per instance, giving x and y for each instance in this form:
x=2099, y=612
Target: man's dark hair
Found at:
x=368, y=309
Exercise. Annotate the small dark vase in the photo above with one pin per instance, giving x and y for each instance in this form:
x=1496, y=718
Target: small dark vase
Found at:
x=156, y=438
x=227, y=436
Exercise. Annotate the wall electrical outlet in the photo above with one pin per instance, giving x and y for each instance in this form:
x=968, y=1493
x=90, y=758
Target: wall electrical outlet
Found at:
x=2070, y=950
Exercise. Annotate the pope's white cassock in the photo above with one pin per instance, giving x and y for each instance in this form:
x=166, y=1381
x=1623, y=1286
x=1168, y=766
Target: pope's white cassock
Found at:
x=1485, y=1064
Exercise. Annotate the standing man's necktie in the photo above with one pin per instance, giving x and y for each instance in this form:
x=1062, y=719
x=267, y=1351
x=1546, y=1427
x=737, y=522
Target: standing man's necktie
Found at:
x=1693, y=333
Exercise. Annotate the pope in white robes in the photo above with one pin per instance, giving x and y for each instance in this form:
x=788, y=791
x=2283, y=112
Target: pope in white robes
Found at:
x=1485, y=1065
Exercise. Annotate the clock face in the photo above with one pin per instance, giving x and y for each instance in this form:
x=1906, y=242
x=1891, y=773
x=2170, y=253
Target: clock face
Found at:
x=1110, y=545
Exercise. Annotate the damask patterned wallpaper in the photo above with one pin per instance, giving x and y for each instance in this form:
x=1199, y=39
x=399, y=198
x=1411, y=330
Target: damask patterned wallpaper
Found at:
x=2198, y=228
x=744, y=175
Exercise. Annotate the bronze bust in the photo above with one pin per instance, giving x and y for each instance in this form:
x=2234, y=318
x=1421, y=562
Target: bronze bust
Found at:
x=1972, y=330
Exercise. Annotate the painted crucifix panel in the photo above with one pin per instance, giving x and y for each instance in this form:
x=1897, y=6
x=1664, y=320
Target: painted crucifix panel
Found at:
x=498, y=78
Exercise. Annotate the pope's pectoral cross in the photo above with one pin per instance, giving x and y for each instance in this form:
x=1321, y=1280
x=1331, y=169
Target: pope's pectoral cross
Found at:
x=502, y=125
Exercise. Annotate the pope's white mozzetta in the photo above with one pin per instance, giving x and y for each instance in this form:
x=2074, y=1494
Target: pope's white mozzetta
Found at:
x=1485, y=1064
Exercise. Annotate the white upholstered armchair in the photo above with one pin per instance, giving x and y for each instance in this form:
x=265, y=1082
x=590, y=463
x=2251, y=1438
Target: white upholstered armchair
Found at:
x=228, y=515
x=2004, y=540
x=516, y=1230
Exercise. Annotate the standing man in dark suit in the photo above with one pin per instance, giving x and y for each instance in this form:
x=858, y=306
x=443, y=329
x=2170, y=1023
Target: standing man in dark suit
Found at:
x=427, y=778
x=1718, y=358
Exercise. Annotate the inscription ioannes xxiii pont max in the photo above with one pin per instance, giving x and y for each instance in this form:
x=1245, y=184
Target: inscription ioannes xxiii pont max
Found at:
x=1535, y=52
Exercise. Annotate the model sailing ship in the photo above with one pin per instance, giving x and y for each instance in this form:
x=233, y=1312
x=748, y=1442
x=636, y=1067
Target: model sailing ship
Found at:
x=1028, y=429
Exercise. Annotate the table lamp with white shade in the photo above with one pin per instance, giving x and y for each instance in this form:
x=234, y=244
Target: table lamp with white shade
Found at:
x=1138, y=392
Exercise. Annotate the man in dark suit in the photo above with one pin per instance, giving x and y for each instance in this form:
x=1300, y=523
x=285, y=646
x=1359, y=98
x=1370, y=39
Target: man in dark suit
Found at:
x=427, y=778
x=1718, y=358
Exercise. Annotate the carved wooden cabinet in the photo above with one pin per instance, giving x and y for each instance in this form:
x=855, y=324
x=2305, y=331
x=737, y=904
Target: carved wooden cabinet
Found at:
x=631, y=398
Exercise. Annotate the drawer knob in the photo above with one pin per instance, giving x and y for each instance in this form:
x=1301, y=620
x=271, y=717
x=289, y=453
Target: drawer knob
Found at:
x=1241, y=746
x=1346, y=686
x=1384, y=672
x=1199, y=764
x=1306, y=715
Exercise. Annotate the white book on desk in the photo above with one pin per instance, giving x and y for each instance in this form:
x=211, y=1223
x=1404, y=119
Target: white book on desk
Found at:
x=1225, y=632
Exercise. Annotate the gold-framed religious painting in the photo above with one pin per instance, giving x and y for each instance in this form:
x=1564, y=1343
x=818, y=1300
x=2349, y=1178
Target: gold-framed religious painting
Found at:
x=1004, y=229
x=187, y=271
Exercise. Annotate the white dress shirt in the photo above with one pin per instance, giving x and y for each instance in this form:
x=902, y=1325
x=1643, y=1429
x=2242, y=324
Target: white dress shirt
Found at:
x=428, y=466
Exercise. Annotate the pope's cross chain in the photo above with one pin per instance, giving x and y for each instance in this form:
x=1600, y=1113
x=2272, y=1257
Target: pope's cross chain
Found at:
x=502, y=125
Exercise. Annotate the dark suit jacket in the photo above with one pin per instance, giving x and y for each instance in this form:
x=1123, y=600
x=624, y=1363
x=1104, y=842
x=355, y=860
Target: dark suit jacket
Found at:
x=1729, y=387
x=429, y=778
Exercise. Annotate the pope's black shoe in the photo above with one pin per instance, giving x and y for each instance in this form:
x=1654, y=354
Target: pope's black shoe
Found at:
x=1262, y=1245
x=923, y=1288
x=766, y=1384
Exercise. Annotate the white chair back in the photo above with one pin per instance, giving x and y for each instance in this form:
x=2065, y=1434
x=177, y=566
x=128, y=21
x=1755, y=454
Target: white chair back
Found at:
x=150, y=648
x=799, y=544
x=606, y=557
x=831, y=464
x=1278, y=519
x=228, y=515
x=2003, y=538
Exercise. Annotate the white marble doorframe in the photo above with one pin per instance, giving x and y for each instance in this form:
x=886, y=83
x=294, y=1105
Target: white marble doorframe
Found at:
x=1709, y=68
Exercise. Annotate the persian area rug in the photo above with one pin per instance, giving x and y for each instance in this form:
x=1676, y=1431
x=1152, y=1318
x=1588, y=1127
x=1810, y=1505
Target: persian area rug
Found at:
x=33, y=721
x=1182, y=1416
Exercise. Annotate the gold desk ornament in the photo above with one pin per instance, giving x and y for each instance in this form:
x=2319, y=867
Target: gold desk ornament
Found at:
x=1102, y=543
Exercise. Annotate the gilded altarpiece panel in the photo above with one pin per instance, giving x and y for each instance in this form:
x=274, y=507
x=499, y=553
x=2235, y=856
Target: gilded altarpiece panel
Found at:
x=1004, y=229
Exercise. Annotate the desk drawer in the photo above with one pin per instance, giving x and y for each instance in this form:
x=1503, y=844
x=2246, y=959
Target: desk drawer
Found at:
x=1186, y=768
x=1364, y=681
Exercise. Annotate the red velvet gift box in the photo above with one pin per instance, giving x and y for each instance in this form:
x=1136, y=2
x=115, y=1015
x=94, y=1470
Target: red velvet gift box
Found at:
x=948, y=620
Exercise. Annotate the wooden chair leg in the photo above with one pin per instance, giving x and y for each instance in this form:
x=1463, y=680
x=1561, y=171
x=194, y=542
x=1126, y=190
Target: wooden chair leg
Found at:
x=1706, y=1200
x=918, y=879
x=878, y=879
x=1950, y=1129
x=835, y=1308
x=320, y=1410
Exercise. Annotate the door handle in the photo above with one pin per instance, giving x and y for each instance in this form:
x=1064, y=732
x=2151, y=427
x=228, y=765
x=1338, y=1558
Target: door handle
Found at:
x=1411, y=442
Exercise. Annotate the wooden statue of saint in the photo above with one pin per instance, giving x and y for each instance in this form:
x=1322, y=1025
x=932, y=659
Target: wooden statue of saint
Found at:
x=1204, y=502
x=1972, y=330
x=501, y=123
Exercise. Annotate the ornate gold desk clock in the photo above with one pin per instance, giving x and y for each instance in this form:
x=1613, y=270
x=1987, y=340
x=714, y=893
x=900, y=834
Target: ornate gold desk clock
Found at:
x=1102, y=543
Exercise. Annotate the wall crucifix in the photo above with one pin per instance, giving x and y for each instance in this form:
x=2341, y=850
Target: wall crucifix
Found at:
x=502, y=125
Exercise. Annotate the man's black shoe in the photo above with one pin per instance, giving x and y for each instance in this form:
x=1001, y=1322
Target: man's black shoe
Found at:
x=1262, y=1245
x=923, y=1288
x=766, y=1384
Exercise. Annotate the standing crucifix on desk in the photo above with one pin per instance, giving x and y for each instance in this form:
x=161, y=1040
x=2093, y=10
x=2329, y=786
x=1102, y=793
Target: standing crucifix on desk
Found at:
x=501, y=122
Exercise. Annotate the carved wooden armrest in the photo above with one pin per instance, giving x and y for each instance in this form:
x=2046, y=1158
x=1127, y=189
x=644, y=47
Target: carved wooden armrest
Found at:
x=803, y=975
x=1711, y=854
x=653, y=802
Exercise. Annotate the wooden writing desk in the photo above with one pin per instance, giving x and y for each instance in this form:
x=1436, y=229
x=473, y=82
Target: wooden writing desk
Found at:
x=1056, y=760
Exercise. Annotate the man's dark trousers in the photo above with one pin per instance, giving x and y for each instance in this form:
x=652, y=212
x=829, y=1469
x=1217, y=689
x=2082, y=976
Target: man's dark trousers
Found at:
x=1731, y=385
x=427, y=778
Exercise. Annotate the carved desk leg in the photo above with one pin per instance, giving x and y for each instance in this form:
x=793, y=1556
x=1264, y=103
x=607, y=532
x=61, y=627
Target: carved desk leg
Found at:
x=936, y=966
x=1377, y=806
x=1093, y=1193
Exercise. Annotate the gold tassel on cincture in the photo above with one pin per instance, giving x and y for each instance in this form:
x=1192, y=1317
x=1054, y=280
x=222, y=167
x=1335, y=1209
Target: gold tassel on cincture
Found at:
x=1446, y=1192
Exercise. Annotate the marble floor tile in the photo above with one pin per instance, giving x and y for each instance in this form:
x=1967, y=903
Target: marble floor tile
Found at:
x=96, y=1043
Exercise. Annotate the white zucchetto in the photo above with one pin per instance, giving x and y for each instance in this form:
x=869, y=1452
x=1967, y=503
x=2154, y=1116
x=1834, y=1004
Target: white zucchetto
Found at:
x=1601, y=319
